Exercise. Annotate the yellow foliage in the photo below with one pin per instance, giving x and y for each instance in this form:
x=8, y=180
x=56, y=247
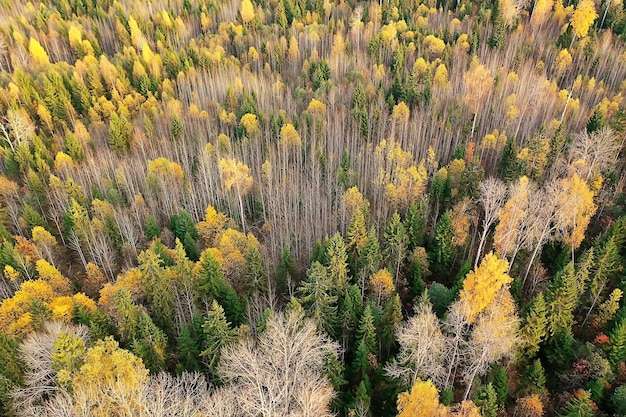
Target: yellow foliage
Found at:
x=38, y=53
x=250, y=123
x=509, y=11
x=563, y=61
x=583, y=17
x=511, y=216
x=82, y=301
x=247, y=11
x=213, y=224
x=11, y=274
x=75, y=36
x=131, y=281
x=481, y=286
x=463, y=42
x=316, y=108
x=575, y=209
x=111, y=379
x=353, y=200
x=401, y=112
x=540, y=12
x=62, y=309
x=289, y=136
x=461, y=222
x=441, y=76
x=166, y=170
x=63, y=162
x=381, y=284
x=478, y=83
x=388, y=32
x=50, y=275
x=236, y=174
x=434, y=45
x=422, y=401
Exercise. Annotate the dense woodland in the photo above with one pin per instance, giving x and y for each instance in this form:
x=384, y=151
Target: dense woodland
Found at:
x=312, y=208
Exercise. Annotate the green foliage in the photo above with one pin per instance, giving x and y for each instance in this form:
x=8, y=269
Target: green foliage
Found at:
x=184, y=228
x=579, y=406
x=500, y=383
x=440, y=297
x=152, y=229
x=211, y=284
x=534, y=379
x=120, y=132
x=319, y=298
x=443, y=251
x=487, y=400
x=218, y=333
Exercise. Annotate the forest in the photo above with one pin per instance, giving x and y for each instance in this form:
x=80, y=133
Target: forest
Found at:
x=312, y=208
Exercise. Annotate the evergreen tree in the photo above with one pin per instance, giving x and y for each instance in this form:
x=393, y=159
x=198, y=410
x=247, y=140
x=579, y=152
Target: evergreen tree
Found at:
x=534, y=331
x=397, y=244
x=218, y=333
x=211, y=284
x=367, y=330
x=487, y=400
x=415, y=223
x=509, y=167
x=319, y=298
x=443, y=251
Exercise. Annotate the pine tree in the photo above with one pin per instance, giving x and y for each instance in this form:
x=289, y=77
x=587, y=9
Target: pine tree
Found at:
x=370, y=258
x=415, y=223
x=218, y=333
x=579, y=406
x=120, y=132
x=367, y=330
x=487, y=401
x=319, y=298
x=443, y=250
x=397, y=245
x=338, y=263
x=617, y=347
x=534, y=330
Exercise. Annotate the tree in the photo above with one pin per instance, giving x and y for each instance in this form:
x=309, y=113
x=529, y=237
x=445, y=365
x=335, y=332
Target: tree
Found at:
x=492, y=197
x=247, y=11
x=563, y=299
x=579, y=406
x=38, y=53
x=443, y=251
x=421, y=348
x=338, y=263
x=210, y=283
x=282, y=372
x=382, y=286
x=483, y=285
x=319, y=298
x=236, y=175
x=582, y=19
x=421, y=400
x=110, y=381
x=509, y=235
x=535, y=328
x=120, y=132
x=487, y=401
x=493, y=337
x=530, y=406
x=218, y=333
x=478, y=84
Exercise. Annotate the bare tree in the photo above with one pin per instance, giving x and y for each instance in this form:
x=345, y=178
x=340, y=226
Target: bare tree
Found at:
x=492, y=196
x=421, y=348
x=599, y=150
x=281, y=373
x=40, y=378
